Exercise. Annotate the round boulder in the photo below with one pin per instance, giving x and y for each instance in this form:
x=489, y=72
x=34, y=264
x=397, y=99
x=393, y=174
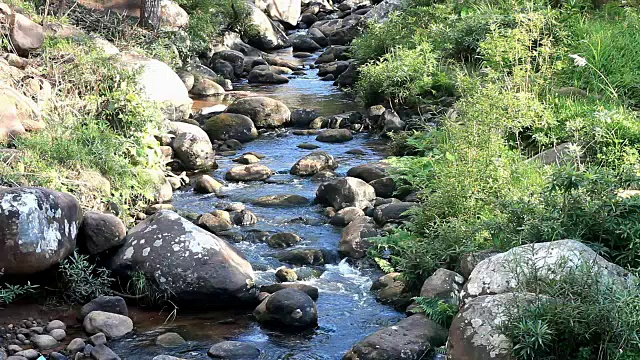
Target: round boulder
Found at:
x=205, y=184
x=335, y=135
x=39, y=228
x=265, y=112
x=234, y=350
x=346, y=192
x=253, y=172
x=192, y=146
x=283, y=240
x=112, y=325
x=111, y=304
x=230, y=126
x=313, y=163
x=100, y=232
x=288, y=307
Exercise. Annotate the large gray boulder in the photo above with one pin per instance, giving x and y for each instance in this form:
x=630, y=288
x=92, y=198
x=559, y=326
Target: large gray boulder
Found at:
x=411, y=339
x=234, y=58
x=314, y=163
x=287, y=11
x=192, y=146
x=160, y=84
x=288, y=307
x=380, y=13
x=39, y=228
x=191, y=264
x=369, y=171
x=268, y=36
x=263, y=111
x=110, y=324
x=253, y=172
x=501, y=273
x=476, y=331
x=346, y=192
x=230, y=126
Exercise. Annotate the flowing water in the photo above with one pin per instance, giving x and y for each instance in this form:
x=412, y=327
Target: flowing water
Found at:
x=346, y=308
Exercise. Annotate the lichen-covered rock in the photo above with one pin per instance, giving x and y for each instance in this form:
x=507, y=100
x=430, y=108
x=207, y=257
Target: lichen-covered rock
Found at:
x=172, y=16
x=346, y=192
x=410, y=339
x=475, y=332
x=268, y=36
x=192, y=146
x=263, y=111
x=192, y=264
x=392, y=289
x=230, y=126
x=496, y=275
x=283, y=240
x=39, y=228
x=288, y=307
x=313, y=163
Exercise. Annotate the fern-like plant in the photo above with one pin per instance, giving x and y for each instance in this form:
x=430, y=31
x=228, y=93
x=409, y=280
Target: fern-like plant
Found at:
x=82, y=281
x=434, y=309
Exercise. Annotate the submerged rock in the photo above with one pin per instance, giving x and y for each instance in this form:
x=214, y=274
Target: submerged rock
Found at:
x=288, y=307
x=191, y=264
x=282, y=200
x=234, y=350
x=170, y=339
x=307, y=257
x=411, y=338
x=353, y=240
x=39, y=228
x=283, y=240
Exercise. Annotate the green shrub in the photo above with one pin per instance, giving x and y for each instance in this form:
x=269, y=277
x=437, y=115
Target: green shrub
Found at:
x=403, y=75
x=9, y=292
x=436, y=310
x=81, y=281
x=579, y=315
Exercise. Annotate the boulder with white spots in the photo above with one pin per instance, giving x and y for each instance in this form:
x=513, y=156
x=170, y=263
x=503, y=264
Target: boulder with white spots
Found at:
x=38, y=228
x=195, y=266
x=500, y=273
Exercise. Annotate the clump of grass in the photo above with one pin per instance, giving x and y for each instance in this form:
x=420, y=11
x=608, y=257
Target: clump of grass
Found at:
x=82, y=281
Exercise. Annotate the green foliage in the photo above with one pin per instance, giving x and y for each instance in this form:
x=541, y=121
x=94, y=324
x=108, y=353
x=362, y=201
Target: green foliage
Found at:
x=81, y=281
x=436, y=310
x=208, y=19
x=401, y=76
x=9, y=292
x=579, y=315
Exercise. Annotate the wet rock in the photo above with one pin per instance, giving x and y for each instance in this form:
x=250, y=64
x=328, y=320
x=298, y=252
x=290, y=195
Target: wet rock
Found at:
x=214, y=223
x=254, y=172
x=303, y=117
x=110, y=304
x=283, y=240
x=245, y=218
x=496, y=275
x=308, y=146
x=39, y=228
x=100, y=232
x=44, y=342
x=335, y=136
x=55, y=325
x=312, y=291
x=313, y=163
x=170, y=339
x=166, y=357
x=263, y=111
x=205, y=184
x=98, y=339
x=411, y=338
x=76, y=345
x=384, y=187
x=333, y=53
x=348, y=77
x=318, y=37
x=391, y=121
x=476, y=331
x=306, y=257
x=223, y=68
x=308, y=19
x=369, y=172
x=231, y=145
x=334, y=68
x=266, y=77
x=282, y=200
x=303, y=42
x=58, y=334
x=285, y=274
x=195, y=266
x=324, y=176
x=102, y=352
x=234, y=58
x=393, y=213
x=192, y=146
x=234, y=350
x=230, y=126
x=246, y=159
x=288, y=307
x=112, y=325
x=345, y=216
x=346, y=192
x=353, y=240
x=279, y=70
x=392, y=289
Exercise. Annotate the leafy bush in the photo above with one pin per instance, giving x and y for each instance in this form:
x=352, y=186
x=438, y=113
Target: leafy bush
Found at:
x=403, y=75
x=579, y=315
x=81, y=281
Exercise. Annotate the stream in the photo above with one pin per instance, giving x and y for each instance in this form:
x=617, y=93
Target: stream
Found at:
x=347, y=310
